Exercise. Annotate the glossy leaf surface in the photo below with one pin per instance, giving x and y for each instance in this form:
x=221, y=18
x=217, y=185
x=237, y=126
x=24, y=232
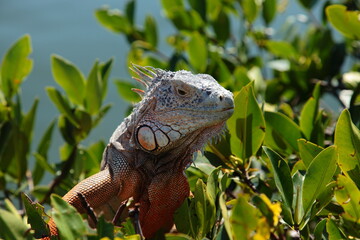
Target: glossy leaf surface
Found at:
x=69, y=77
x=346, y=22
x=247, y=125
x=347, y=139
x=16, y=66
x=318, y=175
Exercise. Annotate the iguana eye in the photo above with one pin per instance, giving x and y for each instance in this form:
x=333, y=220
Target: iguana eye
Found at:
x=181, y=92
x=181, y=89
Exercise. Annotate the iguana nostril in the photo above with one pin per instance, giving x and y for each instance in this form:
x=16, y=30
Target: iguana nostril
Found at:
x=221, y=98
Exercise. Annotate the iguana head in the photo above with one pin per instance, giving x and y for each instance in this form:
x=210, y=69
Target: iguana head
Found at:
x=179, y=110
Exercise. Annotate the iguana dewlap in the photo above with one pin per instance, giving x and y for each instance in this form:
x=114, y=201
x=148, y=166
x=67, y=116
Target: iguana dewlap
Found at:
x=149, y=151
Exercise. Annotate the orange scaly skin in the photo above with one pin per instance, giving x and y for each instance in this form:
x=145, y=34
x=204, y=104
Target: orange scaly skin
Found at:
x=149, y=151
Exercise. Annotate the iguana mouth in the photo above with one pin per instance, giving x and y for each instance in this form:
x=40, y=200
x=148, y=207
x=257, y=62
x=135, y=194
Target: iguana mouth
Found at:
x=227, y=109
x=207, y=111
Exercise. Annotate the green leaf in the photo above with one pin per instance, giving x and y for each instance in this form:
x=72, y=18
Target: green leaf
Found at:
x=323, y=199
x=213, y=7
x=348, y=196
x=172, y=6
x=250, y=9
x=205, y=209
x=93, y=94
x=347, y=140
x=333, y=230
x=68, y=76
x=308, y=4
x=35, y=213
x=128, y=226
x=67, y=219
x=5, y=138
x=319, y=229
x=282, y=49
x=281, y=132
x=316, y=92
x=105, y=69
x=308, y=117
x=269, y=10
x=188, y=20
x=225, y=215
x=16, y=66
x=244, y=219
x=225, y=77
x=151, y=31
x=212, y=185
x=7, y=147
x=311, y=119
x=247, y=124
x=41, y=155
x=27, y=123
x=199, y=6
x=298, y=181
x=198, y=53
x=20, y=145
x=185, y=218
x=45, y=140
x=282, y=176
x=308, y=151
x=85, y=125
x=130, y=11
x=124, y=89
x=346, y=22
x=113, y=20
x=104, y=228
x=41, y=165
x=221, y=26
x=241, y=76
x=62, y=105
x=319, y=174
x=12, y=227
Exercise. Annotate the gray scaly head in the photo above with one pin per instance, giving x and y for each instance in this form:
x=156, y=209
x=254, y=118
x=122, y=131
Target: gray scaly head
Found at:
x=179, y=110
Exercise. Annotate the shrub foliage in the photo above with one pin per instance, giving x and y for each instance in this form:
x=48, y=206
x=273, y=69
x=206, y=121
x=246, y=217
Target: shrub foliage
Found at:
x=288, y=166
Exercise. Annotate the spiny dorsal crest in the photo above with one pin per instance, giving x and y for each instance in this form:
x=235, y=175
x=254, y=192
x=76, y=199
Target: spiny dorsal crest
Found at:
x=145, y=76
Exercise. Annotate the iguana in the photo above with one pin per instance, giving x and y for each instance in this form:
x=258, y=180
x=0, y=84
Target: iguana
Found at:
x=149, y=151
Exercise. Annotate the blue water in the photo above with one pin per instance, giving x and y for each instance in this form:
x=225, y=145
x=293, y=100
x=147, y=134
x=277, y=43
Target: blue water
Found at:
x=69, y=29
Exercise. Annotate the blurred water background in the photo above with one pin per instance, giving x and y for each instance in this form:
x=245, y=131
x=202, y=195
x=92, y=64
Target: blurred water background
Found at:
x=68, y=28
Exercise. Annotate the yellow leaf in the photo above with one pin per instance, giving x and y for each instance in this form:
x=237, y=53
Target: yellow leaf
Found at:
x=274, y=207
x=262, y=230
